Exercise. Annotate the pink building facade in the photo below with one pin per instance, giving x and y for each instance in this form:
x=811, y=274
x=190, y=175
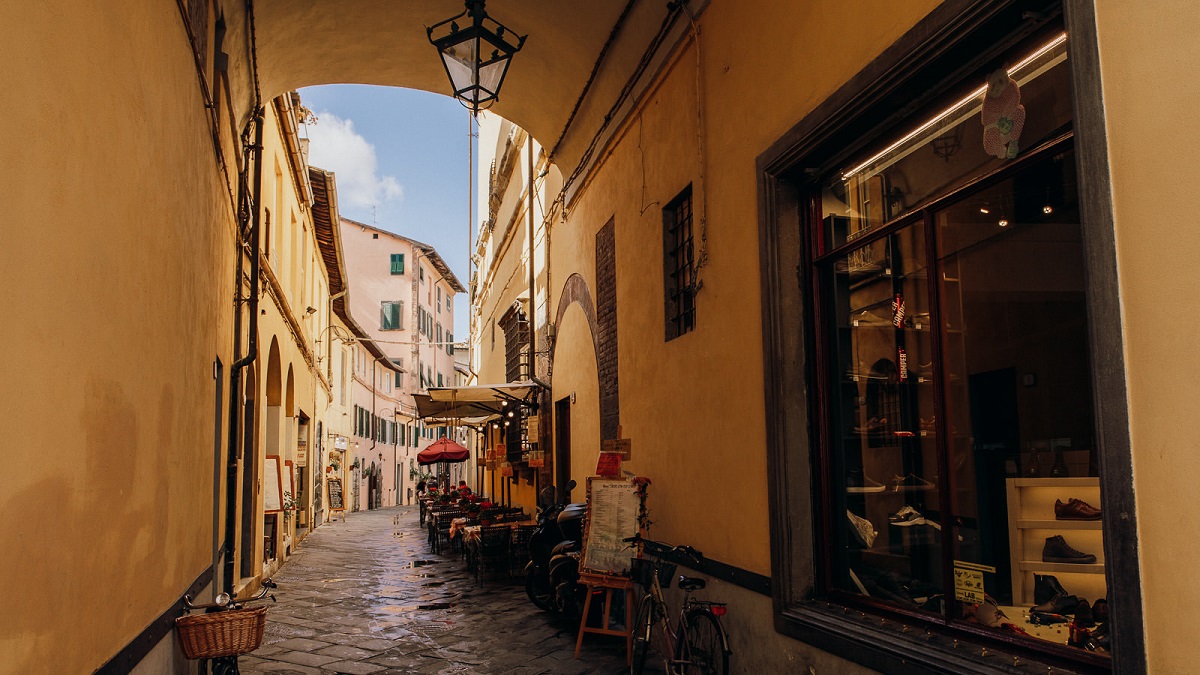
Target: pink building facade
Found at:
x=403, y=297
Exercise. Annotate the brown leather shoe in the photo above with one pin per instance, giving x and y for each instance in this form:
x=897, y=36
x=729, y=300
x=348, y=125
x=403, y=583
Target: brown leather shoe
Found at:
x=1075, y=509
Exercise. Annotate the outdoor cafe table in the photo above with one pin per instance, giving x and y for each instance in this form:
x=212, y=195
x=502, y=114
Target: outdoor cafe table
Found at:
x=472, y=534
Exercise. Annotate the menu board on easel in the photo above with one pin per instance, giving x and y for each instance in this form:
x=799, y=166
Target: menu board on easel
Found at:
x=272, y=485
x=335, y=495
x=612, y=517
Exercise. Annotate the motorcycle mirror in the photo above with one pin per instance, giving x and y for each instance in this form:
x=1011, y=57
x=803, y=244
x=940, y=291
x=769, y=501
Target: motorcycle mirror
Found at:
x=546, y=498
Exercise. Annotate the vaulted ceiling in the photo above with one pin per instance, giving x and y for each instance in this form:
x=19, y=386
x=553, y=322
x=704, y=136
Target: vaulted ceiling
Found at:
x=383, y=42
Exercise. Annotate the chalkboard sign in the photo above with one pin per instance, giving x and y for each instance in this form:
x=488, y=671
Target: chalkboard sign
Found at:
x=272, y=485
x=612, y=516
x=335, y=495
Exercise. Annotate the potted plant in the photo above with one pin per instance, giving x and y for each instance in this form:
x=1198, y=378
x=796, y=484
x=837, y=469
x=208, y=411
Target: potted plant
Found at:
x=487, y=513
x=289, y=505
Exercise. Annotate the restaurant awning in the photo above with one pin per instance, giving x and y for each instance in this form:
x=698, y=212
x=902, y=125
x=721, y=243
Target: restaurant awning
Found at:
x=474, y=404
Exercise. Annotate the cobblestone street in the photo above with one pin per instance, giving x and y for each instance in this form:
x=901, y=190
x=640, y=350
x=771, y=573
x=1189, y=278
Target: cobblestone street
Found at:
x=367, y=596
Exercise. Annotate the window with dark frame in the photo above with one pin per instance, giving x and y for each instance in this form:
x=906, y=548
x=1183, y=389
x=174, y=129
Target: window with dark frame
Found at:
x=679, y=266
x=943, y=278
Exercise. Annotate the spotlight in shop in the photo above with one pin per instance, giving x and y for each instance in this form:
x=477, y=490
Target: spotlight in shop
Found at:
x=476, y=55
x=1047, y=209
x=1003, y=223
x=984, y=210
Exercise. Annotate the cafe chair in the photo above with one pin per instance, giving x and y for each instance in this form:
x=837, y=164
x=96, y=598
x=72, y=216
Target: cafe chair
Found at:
x=492, y=554
x=518, y=554
x=443, y=527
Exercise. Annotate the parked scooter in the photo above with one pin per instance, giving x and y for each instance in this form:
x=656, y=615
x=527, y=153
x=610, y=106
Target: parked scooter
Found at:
x=558, y=535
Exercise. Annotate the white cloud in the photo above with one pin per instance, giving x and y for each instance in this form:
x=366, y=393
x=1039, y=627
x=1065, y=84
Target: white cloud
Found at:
x=335, y=146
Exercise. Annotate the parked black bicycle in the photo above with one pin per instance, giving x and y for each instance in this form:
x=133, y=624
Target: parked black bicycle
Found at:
x=697, y=643
x=225, y=630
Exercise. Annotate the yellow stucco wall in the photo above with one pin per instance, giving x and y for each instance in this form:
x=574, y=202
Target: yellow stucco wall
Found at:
x=1148, y=66
x=694, y=406
x=575, y=373
x=117, y=265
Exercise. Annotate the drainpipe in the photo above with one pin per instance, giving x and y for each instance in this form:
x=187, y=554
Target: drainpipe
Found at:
x=532, y=301
x=250, y=195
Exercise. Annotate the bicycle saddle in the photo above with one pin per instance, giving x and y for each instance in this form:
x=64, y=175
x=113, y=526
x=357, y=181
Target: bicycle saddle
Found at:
x=690, y=584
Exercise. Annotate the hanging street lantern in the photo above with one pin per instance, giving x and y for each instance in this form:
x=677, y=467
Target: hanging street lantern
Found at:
x=475, y=55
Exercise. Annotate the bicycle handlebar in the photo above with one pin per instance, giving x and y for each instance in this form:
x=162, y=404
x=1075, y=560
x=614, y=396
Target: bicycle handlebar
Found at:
x=224, y=601
x=687, y=550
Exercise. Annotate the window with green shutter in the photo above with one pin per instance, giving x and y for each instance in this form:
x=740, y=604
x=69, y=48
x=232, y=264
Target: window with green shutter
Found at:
x=389, y=315
x=397, y=263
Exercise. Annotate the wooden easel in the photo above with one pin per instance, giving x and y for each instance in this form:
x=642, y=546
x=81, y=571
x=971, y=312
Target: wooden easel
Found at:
x=609, y=584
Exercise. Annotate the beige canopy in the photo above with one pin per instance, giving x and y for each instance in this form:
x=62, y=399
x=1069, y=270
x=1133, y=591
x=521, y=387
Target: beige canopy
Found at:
x=472, y=405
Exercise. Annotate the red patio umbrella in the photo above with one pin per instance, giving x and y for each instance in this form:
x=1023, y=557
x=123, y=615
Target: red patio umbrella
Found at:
x=443, y=450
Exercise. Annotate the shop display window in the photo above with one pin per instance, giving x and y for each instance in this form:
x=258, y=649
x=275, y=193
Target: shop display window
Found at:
x=955, y=406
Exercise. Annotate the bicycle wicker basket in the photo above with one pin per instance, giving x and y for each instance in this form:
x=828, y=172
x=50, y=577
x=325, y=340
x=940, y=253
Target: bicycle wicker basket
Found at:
x=229, y=633
x=641, y=570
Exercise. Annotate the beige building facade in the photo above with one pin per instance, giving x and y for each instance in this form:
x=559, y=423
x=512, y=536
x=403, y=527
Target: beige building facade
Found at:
x=130, y=166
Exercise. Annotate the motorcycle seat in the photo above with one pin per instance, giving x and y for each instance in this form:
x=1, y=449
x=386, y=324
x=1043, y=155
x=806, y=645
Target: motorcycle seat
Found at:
x=689, y=584
x=572, y=512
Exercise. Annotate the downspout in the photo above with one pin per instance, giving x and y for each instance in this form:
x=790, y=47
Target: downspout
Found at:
x=532, y=299
x=374, y=431
x=250, y=211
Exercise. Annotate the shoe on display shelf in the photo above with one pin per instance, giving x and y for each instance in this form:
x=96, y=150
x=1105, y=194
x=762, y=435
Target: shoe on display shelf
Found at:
x=907, y=516
x=1075, y=509
x=911, y=483
x=1045, y=587
x=1100, y=610
x=858, y=483
x=1046, y=618
x=862, y=529
x=1083, y=615
x=1059, y=604
x=1057, y=550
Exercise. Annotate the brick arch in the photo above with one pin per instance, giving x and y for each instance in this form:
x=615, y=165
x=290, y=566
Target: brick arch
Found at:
x=575, y=291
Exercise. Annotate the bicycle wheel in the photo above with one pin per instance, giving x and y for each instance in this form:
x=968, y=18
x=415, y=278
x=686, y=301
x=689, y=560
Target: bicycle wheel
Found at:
x=643, y=628
x=705, y=645
x=225, y=665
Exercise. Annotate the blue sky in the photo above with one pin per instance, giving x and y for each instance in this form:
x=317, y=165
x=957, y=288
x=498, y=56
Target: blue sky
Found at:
x=400, y=156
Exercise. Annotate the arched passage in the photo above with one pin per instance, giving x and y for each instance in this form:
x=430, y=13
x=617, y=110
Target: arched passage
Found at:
x=384, y=42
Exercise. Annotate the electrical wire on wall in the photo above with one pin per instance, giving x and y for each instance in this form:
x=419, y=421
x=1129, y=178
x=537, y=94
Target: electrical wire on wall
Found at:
x=701, y=154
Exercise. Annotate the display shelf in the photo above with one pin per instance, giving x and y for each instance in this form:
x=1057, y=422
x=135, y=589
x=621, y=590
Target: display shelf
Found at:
x=1056, y=483
x=1039, y=524
x=1031, y=520
x=1061, y=568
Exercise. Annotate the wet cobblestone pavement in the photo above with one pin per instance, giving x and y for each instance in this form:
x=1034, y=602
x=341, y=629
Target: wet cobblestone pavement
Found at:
x=368, y=596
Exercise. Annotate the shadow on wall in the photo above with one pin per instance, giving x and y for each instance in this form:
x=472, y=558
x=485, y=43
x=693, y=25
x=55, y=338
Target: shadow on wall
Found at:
x=88, y=535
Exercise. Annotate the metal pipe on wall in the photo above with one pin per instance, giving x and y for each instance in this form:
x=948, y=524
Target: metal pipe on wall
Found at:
x=250, y=211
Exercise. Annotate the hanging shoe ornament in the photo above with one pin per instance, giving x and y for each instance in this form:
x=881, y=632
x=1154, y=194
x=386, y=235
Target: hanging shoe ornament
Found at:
x=1003, y=115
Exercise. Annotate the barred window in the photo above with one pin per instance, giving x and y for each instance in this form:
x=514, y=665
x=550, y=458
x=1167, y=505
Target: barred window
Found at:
x=679, y=268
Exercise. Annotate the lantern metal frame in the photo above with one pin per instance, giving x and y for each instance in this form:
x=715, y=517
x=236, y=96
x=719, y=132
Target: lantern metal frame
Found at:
x=466, y=46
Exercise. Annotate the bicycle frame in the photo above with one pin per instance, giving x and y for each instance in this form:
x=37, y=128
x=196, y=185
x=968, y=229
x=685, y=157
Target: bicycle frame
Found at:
x=677, y=657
